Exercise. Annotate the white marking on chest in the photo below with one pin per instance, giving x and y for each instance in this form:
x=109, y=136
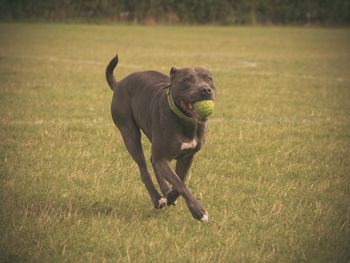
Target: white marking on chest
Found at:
x=189, y=145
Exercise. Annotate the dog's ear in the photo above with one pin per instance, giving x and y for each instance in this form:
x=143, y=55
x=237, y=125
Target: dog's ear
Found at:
x=172, y=72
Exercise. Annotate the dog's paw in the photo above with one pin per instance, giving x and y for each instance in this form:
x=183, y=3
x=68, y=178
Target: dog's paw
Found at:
x=205, y=217
x=162, y=202
x=171, y=196
x=198, y=212
x=201, y=216
x=172, y=203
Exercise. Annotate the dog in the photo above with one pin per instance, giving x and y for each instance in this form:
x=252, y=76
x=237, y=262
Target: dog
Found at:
x=162, y=108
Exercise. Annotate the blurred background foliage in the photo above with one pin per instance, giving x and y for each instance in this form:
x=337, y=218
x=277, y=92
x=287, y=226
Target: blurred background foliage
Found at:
x=225, y=12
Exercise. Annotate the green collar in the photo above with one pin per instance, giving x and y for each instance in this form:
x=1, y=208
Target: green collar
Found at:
x=176, y=110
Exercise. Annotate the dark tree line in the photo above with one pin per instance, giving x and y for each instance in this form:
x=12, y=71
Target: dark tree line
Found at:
x=181, y=11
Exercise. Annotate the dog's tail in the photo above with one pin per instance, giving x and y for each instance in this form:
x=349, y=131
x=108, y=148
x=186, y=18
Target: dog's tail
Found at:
x=109, y=72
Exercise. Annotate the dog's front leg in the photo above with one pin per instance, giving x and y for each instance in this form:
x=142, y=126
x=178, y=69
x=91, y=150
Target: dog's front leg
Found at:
x=196, y=209
x=183, y=166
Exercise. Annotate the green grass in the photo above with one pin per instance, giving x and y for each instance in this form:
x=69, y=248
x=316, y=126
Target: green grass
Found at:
x=273, y=175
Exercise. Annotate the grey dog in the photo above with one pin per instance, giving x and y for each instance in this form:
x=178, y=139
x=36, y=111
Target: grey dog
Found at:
x=162, y=107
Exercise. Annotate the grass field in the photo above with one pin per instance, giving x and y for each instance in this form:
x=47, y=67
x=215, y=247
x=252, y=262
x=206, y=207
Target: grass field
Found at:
x=273, y=175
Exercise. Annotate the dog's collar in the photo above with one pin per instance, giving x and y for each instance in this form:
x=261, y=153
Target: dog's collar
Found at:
x=176, y=110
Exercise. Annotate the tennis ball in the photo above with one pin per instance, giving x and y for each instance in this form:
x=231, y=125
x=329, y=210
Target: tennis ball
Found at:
x=204, y=108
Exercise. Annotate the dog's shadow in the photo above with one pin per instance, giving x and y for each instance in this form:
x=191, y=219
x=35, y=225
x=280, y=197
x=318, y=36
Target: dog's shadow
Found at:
x=121, y=210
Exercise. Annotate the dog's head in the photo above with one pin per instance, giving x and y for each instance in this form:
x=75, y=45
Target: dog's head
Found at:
x=189, y=85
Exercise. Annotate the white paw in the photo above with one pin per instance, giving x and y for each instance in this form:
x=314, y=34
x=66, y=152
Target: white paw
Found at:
x=205, y=217
x=162, y=202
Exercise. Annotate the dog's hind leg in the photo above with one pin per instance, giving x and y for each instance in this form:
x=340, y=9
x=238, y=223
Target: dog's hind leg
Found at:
x=132, y=140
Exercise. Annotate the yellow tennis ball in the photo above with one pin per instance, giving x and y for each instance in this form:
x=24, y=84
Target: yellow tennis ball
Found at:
x=204, y=108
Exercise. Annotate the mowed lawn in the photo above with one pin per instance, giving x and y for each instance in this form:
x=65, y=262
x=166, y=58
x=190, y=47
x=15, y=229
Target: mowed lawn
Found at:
x=274, y=173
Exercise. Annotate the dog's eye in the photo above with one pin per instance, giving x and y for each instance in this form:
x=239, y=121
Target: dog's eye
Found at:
x=210, y=79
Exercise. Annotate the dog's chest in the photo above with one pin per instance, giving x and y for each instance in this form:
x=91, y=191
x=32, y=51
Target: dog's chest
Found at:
x=189, y=145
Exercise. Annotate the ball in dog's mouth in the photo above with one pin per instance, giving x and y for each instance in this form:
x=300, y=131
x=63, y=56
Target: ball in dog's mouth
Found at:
x=204, y=108
x=199, y=109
